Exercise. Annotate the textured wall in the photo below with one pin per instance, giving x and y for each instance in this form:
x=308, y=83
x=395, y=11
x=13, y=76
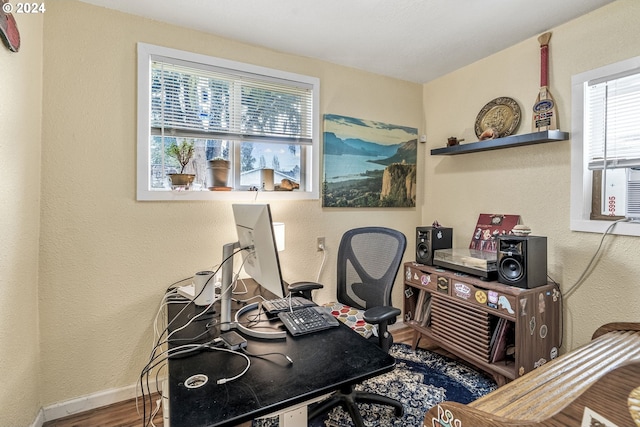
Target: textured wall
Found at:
x=533, y=181
x=106, y=258
x=20, y=121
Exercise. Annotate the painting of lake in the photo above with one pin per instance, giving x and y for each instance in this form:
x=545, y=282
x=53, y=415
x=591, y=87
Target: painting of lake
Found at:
x=368, y=163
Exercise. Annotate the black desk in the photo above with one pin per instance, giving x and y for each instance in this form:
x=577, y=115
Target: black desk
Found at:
x=323, y=362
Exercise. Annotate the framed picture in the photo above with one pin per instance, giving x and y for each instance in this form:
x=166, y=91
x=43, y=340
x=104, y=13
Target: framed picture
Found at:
x=368, y=163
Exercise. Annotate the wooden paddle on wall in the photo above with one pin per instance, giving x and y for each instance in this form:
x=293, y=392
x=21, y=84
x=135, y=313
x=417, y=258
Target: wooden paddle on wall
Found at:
x=544, y=110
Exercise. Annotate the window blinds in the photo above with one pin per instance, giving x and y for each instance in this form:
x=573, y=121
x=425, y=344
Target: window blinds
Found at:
x=613, y=122
x=228, y=104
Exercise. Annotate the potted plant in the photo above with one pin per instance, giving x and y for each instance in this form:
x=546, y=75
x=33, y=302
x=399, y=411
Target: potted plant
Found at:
x=218, y=174
x=182, y=152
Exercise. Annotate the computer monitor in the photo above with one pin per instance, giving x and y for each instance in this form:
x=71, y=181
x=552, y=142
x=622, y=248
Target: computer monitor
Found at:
x=258, y=241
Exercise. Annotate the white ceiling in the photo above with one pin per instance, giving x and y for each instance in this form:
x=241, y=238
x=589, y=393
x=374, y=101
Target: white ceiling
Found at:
x=414, y=40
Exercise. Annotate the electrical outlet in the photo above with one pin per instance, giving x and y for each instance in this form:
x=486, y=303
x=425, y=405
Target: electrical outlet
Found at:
x=320, y=244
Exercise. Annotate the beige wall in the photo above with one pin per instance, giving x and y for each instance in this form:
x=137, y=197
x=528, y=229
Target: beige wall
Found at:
x=20, y=143
x=106, y=258
x=533, y=181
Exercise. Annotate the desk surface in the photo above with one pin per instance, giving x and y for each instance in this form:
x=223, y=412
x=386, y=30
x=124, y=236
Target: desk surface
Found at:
x=322, y=362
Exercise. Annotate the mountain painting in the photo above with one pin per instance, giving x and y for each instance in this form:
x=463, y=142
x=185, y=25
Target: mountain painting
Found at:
x=368, y=163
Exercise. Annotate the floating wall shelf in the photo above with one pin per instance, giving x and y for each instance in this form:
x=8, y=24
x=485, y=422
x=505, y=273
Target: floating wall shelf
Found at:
x=506, y=142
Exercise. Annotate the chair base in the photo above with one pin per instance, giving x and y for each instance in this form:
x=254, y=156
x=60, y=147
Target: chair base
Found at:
x=349, y=398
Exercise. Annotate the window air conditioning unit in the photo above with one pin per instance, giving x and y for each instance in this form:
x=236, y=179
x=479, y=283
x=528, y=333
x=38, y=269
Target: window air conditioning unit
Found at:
x=632, y=210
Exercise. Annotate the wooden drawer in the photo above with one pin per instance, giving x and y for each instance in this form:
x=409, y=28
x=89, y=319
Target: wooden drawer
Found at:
x=491, y=300
x=418, y=277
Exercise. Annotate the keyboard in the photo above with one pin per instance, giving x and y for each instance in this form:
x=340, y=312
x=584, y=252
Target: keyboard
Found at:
x=276, y=306
x=308, y=320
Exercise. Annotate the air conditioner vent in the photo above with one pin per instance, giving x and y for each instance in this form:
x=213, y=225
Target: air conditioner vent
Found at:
x=633, y=194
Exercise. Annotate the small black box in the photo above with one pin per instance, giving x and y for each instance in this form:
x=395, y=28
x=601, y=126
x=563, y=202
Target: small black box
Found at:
x=233, y=340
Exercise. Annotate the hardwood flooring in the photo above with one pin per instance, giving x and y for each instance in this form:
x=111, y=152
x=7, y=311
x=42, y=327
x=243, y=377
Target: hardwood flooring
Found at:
x=124, y=414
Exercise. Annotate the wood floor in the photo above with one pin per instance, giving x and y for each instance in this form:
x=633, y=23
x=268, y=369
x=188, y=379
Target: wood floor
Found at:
x=124, y=414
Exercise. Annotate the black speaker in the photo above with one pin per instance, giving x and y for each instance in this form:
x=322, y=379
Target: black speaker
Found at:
x=522, y=261
x=428, y=239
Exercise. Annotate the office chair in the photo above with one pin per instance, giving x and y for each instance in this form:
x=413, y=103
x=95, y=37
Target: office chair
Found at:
x=368, y=262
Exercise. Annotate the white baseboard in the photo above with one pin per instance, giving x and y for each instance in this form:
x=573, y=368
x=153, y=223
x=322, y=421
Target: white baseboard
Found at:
x=39, y=421
x=85, y=403
x=88, y=402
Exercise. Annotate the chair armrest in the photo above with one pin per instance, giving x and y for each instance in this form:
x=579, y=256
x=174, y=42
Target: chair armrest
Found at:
x=383, y=313
x=304, y=288
x=382, y=316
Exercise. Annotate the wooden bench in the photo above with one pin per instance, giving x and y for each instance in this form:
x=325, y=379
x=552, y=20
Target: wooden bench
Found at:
x=598, y=382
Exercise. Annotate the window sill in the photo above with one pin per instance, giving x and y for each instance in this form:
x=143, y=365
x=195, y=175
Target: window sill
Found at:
x=595, y=226
x=244, y=196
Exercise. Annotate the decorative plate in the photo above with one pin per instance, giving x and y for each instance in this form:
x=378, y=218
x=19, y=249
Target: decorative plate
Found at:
x=502, y=115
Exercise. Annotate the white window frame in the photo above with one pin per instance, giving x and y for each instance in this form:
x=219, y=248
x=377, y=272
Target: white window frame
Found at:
x=581, y=176
x=144, y=193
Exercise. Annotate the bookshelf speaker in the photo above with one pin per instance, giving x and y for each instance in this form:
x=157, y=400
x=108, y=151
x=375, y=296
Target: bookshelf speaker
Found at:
x=522, y=261
x=429, y=239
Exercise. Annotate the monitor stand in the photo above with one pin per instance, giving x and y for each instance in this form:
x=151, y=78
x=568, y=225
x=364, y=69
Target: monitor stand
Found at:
x=225, y=301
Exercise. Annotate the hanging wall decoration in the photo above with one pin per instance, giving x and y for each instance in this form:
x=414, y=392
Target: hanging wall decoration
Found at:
x=368, y=163
x=9, y=28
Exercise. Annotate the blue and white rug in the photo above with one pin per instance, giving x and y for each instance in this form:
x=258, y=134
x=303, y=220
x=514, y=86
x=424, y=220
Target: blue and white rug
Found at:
x=420, y=380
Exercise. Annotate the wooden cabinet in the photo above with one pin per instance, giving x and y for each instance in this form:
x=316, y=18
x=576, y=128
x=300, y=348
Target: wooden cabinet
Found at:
x=503, y=330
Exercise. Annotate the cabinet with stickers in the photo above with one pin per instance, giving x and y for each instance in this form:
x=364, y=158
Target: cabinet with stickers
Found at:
x=504, y=330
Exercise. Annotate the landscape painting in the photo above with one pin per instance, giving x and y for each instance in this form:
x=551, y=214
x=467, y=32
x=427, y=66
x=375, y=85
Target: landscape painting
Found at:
x=368, y=163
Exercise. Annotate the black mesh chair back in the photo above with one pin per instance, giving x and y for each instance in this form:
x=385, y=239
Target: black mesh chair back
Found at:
x=368, y=262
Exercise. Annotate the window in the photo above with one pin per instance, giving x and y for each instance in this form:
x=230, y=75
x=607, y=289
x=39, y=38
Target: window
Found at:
x=254, y=117
x=606, y=147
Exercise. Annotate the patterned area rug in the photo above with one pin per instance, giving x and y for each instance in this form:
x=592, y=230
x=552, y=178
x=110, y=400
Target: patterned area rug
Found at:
x=420, y=380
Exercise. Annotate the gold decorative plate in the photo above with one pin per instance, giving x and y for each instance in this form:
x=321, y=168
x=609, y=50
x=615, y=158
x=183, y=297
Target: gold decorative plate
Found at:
x=501, y=114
